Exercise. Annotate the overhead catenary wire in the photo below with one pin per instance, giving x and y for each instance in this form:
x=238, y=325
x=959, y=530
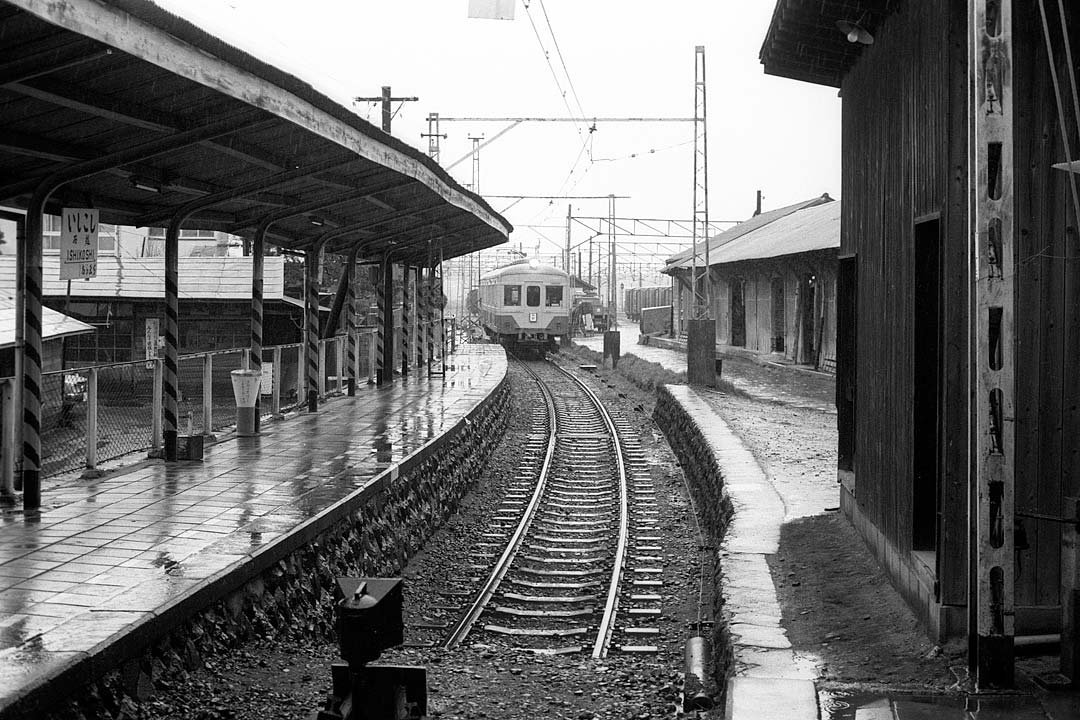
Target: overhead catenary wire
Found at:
x=554, y=74
x=562, y=60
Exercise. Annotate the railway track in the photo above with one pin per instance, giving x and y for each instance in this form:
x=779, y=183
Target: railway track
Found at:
x=569, y=562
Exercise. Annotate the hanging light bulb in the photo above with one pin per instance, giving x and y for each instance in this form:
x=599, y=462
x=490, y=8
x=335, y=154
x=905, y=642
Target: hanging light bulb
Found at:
x=855, y=32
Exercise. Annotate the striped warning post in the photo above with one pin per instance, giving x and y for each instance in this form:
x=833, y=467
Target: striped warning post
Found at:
x=350, y=323
x=380, y=330
x=421, y=304
x=172, y=338
x=406, y=319
x=388, y=360
x=437, y=300
x=257, y=270
x=31, y=369
x=311, y=326
x=257, y=265
x=430, y=310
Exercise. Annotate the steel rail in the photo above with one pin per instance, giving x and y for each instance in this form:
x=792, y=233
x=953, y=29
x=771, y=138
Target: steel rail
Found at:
x=501, y=567
x=607, y=623
x=464, y=625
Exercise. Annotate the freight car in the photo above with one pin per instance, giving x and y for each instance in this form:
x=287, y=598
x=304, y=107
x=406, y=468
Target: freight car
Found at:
x=643, y=297
x=526, y=305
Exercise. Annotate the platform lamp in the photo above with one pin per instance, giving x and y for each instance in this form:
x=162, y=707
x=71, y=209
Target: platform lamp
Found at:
x=855, y=31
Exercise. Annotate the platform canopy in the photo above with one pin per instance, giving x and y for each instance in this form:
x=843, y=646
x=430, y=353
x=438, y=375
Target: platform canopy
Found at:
x=805, y=42
x=150, y=114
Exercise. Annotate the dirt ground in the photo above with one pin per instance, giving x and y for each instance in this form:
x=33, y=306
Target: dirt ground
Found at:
x=839, y=609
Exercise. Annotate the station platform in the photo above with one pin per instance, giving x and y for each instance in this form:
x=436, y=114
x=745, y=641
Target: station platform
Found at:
x=109, y=561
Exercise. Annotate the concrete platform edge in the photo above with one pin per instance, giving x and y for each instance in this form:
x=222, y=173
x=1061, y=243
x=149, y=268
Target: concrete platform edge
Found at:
x=762, y=678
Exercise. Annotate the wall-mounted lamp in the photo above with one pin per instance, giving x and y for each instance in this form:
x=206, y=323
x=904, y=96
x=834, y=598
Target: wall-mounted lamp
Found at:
x=146, y=185
x=317, y=222
x=855, y=32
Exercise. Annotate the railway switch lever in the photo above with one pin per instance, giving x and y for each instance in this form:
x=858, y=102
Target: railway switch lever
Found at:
x=368, y=621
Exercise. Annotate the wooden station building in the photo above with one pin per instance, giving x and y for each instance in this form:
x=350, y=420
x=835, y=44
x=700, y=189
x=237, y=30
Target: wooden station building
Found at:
x=126, y=109
x=958, y=386
x=773, y=283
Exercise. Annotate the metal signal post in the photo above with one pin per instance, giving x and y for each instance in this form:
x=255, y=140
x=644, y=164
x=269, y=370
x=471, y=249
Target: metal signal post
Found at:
x=699, y=277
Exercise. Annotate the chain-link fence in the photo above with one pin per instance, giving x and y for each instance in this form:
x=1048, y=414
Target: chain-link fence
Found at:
x=365, y=342
x=124, y=414
x=206, y=403
x=285, y=363
x=63, y=422
x=124, y=399
x=125, y=408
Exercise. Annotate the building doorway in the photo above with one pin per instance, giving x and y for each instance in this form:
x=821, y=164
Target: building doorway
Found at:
x=806, y=350
x=926, y=387
x=847, y=323
x=738, y=312
x=779, y=325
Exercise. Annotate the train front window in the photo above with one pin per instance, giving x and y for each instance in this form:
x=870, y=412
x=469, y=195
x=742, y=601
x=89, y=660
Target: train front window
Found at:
x=553, y=293
x=511, y=294
x=532, y=295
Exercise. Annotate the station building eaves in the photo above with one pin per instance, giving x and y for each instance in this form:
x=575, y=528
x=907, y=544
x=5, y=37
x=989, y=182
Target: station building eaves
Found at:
x=803, y=41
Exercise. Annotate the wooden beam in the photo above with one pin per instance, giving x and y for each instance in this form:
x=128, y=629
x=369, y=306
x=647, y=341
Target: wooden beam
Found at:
x=75, y=98
x=45, y=58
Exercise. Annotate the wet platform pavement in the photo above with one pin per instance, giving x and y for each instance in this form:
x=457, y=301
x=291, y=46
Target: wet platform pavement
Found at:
x=106, y=558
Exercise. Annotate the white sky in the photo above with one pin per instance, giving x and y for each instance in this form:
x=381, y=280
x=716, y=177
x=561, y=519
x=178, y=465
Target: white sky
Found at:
x=626, y=58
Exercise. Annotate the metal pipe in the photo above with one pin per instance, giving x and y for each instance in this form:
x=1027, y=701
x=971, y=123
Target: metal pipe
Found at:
x=695, y=660
x=1032, y=640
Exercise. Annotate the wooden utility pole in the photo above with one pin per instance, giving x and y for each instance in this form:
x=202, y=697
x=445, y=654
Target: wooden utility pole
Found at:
x=990, y=73
x=385, y=99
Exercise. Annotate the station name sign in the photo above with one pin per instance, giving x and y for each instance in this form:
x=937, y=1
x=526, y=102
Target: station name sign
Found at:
x=78, y=243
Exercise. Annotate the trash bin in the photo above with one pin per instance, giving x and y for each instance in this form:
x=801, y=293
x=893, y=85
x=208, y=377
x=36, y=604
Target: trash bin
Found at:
x=245, y=385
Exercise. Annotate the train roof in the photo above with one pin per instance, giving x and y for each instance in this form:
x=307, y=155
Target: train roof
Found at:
x=522, y=267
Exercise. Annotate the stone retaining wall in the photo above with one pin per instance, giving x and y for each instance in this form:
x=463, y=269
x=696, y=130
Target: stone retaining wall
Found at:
x=706, y=480
x=288, y=590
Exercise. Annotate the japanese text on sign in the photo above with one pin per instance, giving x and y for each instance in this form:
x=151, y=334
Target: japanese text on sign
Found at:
x=78, y=243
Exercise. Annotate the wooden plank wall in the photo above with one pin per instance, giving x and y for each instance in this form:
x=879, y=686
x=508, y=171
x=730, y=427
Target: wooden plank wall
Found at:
x=895, y=144
x=758, y=276
x=1048, y=311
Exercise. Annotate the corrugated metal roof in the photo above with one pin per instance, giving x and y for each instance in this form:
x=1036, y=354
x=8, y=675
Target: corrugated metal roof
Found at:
x=53, y=324
x=149, y=115
x=802, y=227
x=201, y=278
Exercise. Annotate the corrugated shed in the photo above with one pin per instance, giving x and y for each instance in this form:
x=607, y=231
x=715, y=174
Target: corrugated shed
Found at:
x=201, y=278
x=744, y=232
x=53, y=324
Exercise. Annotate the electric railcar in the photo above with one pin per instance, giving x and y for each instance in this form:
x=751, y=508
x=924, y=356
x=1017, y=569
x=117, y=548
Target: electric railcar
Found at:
x=526, y=305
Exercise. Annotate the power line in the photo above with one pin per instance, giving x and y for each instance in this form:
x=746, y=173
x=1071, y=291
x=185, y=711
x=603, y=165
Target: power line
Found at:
x=556, y=197
x=558, y=50
x=547, y=58
x=565, y=119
